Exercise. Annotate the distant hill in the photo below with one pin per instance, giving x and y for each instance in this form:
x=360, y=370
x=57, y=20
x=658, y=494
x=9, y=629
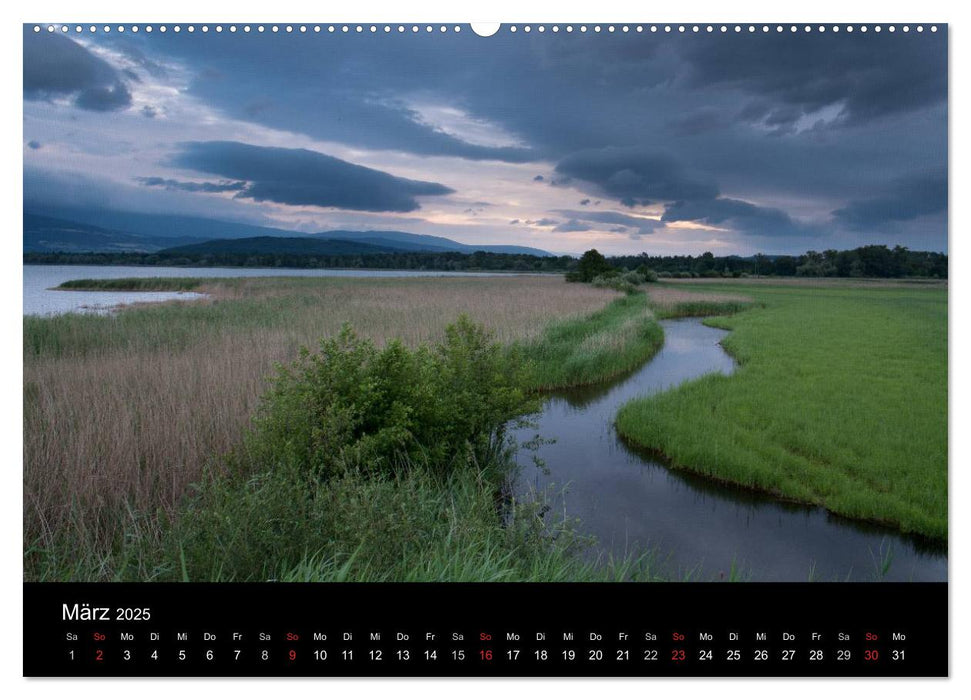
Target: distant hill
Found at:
x=45, y=234
x=272, y=245
x=415, y=242
x=156, y=225
x=93, y=230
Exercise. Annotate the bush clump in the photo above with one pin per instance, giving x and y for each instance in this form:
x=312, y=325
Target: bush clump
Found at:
x=649, y=275
x=354, y=406
x=363, y=463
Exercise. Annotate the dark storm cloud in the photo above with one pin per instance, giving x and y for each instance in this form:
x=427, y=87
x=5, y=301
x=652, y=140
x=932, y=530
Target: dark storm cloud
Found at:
x=640, y=225
x=701, y=121
x=104, y=99
x=301, y=177
x=820, y=119
x=572, y=226
x=788, y=75
x=562, y=93
x=55, y=66
x=905, y=199
x=357, y=95
x=634, y=175
x=744, y=217
x=209, y=187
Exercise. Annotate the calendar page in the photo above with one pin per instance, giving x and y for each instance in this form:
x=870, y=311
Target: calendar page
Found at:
x=544, y=349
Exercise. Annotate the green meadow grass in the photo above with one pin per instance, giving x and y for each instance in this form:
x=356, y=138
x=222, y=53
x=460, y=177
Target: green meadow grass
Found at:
x=595, y=348
x=839, y=400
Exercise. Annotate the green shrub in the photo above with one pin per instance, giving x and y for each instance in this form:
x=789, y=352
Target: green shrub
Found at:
x=352, y=406
x=361, y=462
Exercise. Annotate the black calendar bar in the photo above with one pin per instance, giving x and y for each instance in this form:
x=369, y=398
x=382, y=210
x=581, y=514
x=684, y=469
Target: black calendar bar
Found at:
x=339, y=630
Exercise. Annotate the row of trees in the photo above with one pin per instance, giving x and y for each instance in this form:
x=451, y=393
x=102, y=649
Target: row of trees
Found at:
x=442, y=261
x=867, y=261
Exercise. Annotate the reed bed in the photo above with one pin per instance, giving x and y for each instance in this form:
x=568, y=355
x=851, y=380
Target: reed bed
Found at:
x=123, y=413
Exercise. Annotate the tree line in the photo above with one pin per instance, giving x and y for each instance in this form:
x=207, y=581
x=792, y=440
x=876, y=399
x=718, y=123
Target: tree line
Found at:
x=429, y=261
x=865, y=261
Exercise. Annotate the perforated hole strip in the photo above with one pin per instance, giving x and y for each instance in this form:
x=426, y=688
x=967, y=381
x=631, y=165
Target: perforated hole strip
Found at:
x=509, y=29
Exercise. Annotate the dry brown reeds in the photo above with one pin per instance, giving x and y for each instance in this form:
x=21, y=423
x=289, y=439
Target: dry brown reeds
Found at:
x=125, y=412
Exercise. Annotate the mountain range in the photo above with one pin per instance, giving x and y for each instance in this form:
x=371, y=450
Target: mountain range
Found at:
x=79, y=230
x=270, y=245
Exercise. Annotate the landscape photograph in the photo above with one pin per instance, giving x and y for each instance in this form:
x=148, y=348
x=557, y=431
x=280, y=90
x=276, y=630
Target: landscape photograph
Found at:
x=404, y=303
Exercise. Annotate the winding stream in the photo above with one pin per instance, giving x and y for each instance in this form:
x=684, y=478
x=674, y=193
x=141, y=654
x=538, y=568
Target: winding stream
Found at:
x=696, y=528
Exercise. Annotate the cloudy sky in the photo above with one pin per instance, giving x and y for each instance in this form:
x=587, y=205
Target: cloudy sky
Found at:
x=664, y=143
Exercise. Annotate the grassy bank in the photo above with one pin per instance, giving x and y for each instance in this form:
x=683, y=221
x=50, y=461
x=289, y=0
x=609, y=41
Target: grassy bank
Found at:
x=840, y=400
x=671, y=301
x=594, y=348
x=128, y=419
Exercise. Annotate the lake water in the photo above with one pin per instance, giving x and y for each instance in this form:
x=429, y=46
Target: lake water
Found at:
x=41, y=299
x=631, y=503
